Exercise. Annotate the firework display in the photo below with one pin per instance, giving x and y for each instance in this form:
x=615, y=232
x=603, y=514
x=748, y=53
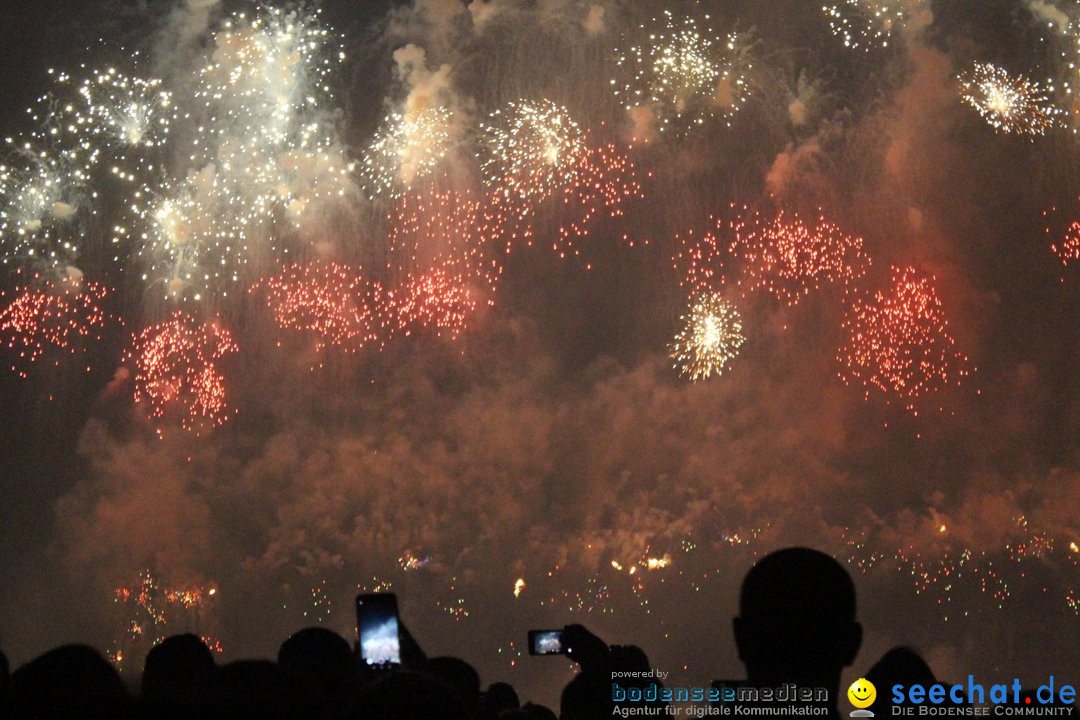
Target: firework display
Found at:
x=606, y=182
x=710, y=338
x=868, y=24
x=533, y=148
x=699, y=258
x=177, y=370
x=789, y=259
x=1008, y=103
x=1063, y=232
x=51, y=318
x=1068, y=248
x=262, y=158
x=899, y=341
x=41, y=195
x=152, y=611
x=407, y=149
x=129, y=111
x=331, y=301
x=449, y=231
x=682, y=74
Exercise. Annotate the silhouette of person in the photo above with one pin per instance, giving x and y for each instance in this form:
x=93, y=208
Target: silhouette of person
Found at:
x=256, y=690
x=408, y=695
x=458, y=675
x=68, y=682
x=900, y=665
x=796, y=622
x=500, y=697
x=321, y=665
x=176, y=677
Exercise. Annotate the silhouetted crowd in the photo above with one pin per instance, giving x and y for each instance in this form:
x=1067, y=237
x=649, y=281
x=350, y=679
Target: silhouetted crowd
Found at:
x=796, y=627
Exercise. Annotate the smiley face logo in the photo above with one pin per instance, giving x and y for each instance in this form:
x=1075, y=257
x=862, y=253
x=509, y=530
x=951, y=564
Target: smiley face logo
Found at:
x=862, y=693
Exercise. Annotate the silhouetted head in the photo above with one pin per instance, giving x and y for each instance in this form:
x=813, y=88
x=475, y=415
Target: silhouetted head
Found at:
x=900, y=665
x=255, y=689
x=409, y=696
x=587, y=696
x=500, y=697
x=70, y=681
x=628, y=658
x=529, y=711
x=459, y=675
x=177, y=671
x=796, y=620
x=316, y=651
x=322, y=666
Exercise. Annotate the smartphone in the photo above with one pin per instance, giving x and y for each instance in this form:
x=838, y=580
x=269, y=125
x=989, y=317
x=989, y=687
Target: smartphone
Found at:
x=377, y=625
x=546, y=642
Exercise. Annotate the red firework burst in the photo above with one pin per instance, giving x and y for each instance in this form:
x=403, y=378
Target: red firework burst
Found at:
x=1068, y=250
x=599, y=180
x=433, y=300
x=1063, y=229
x=51, y=318
x=333, y=302
x=899, y=341
x=177, y=373
x=789, y=259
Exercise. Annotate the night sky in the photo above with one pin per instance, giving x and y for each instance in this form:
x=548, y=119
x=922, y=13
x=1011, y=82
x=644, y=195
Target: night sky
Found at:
x=551, y=440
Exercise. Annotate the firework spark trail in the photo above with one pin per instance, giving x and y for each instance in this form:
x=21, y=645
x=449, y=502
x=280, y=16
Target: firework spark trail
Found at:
x=444, y=247
x=601, y=182
x=899, y=341
x=1062, y=36
x=334, y=302
x=532, y=149
x=711, y=337
x=867, y=24
x=684, y=75
x=176, y=371
x=49, y=315
x=949, y=569
x=789, y=259
x=407, y=149
x=1008, y=103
